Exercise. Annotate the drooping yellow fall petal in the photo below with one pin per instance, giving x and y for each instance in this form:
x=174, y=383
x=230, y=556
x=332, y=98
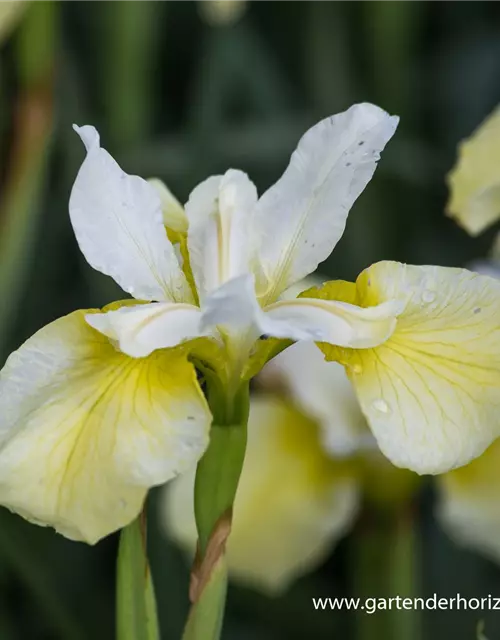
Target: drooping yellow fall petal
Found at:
x=474, y=181
x=85, y=430
x=469, y=506
x=431, y=392
x=293, y=502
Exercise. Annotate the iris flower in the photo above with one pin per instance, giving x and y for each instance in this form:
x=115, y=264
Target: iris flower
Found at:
x=101, y=405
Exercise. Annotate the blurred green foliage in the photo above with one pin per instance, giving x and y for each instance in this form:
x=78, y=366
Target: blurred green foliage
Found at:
x=176, y=97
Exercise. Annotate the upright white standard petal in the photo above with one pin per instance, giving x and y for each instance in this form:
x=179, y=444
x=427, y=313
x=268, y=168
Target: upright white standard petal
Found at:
x=118, y=223
x=142, y=329
x=301, y=218
x=219, y=212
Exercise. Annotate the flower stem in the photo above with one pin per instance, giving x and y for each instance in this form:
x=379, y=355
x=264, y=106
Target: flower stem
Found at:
x=136, y=617
x=216, y=483
x=386, y=563
x=404, y=579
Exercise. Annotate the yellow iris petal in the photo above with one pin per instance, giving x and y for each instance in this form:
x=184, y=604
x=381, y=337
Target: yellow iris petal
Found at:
x=469, y=506
x=293, y=502
x=431, y=393
x=474, y=181
x=86, y=430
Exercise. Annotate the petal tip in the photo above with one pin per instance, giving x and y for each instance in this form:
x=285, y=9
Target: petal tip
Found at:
x=88, y=135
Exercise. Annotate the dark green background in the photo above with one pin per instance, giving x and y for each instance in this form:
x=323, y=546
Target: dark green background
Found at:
x=179, y=99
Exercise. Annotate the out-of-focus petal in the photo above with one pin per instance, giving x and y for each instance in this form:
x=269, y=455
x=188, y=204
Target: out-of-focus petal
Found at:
x=323, y=391
x=174, y=216
x=474, y=181
x=469, y=503
x=10, y=13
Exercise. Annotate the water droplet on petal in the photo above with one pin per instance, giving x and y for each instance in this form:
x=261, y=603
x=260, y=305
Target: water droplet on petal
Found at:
x=381, y=405
x=477, y=310
x=428, y=296
x=356, y=369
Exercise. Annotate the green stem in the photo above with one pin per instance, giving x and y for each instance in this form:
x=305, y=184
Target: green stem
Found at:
x=385, y=566
x=216, y=483
x=136, y=617
x=369, y=570
x=133, y=36
x=403, y=576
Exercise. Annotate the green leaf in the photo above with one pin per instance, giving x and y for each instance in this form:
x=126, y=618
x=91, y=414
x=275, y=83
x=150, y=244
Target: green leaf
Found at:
x=206, y=616
x=136, y=617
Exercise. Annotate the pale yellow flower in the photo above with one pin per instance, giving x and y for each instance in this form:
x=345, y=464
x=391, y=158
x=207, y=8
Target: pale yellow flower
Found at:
x=474, y=181
x=469, y=503
x=101, y=405
x=109, y=396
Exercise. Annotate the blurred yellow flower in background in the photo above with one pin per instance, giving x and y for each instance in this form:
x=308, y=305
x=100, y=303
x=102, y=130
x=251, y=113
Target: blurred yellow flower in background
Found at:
x=469, y=506
x=474, y=182
x=10, y=12
x=221, y=13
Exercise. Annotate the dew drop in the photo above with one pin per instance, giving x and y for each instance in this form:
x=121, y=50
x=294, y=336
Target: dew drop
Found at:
x=381, y=405
x=428, y=296
x=477, y=310
x=357, y=369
